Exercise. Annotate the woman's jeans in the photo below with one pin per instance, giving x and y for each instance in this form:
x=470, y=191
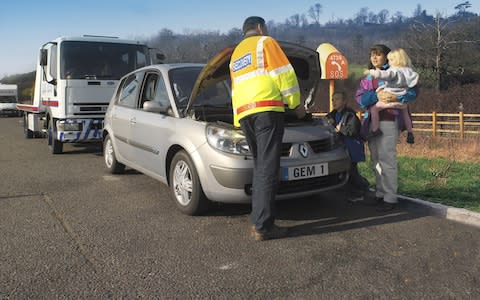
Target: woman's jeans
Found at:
x=383, y=150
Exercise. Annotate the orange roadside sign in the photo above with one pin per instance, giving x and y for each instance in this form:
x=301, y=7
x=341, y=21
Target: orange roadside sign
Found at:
x=336, y=66
x=333, y=63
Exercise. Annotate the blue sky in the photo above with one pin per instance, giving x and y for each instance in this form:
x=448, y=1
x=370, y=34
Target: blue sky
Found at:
x=27, y=24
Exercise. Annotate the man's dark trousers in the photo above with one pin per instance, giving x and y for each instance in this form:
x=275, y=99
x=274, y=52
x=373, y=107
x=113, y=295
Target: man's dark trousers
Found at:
x=264, y=133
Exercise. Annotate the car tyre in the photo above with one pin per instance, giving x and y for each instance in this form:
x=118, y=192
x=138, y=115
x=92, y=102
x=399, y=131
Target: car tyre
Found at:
x=185, y=186
x=56, y=146
x=113, y=166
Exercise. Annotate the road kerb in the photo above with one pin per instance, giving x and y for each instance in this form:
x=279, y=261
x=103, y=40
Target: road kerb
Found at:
x=451, y=213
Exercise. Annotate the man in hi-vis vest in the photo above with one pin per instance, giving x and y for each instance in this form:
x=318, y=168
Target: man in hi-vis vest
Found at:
x=263, y=83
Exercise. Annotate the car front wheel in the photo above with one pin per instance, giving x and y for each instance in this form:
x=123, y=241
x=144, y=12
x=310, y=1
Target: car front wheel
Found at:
x=185, y=185
x=113, y=166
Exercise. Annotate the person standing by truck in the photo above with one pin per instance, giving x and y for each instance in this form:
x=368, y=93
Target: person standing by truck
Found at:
x=263, y=82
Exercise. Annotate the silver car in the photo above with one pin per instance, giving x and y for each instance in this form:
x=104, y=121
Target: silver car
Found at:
x=173, y=122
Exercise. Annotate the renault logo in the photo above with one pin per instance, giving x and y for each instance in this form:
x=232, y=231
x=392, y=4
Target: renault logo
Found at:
x=303, y=150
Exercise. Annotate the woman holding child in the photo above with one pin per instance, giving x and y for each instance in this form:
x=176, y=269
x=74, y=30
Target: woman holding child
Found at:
x=383, y=148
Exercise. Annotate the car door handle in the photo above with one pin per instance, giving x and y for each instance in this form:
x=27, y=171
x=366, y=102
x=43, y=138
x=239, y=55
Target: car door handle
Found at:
x=133, y=120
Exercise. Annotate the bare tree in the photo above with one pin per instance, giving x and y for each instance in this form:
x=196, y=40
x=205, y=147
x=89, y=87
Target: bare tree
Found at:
x=372, y=17
x=462, y=7
x=234, y=36
x=382, y=16
x=418, y=11
x=430, y=43
x=398, y=17
x=294, y=20
x=303, y=21
x=362, y=16
x=314, y=12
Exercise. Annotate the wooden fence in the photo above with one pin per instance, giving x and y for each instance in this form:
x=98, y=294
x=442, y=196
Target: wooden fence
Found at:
x=447, y=124
x=444, y=124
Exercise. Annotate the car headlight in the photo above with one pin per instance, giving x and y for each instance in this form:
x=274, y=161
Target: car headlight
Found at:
x=227, y=140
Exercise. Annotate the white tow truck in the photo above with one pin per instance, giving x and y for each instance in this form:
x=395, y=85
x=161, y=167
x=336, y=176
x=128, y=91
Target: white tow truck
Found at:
x=75, y=79
x=9, y=100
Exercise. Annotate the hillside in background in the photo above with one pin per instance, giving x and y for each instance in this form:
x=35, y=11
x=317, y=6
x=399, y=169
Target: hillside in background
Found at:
x=25, y=84
x=445, y=49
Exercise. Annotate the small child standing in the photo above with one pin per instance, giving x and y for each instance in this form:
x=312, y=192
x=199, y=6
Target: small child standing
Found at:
x=398, y=79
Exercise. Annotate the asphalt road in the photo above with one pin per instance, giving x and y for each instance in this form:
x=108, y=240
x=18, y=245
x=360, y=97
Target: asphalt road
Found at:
x=70, y=230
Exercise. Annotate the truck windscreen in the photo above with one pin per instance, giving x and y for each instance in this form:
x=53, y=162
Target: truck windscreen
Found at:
x=8, y=99
x=100, y=61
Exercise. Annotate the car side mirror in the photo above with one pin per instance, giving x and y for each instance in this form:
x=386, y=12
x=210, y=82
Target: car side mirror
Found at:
x=153, y=106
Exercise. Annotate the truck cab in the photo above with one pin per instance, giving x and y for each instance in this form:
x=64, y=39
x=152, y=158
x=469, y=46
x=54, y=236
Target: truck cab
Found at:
x=9, y=100
x=75, y=79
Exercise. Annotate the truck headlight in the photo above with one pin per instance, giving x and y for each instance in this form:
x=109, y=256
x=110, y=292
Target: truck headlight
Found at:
x=227, y=140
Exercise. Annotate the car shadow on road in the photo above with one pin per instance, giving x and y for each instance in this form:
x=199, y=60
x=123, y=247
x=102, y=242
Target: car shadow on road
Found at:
x=228, y=209
x=331, y=212
x=326, y=212
x=93, y=148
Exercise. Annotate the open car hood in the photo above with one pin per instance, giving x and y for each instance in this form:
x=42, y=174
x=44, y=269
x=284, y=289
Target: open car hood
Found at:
x=304, y=60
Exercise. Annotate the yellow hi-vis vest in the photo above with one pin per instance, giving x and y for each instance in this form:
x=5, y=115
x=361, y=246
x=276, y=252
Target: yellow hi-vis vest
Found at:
x=262, y=78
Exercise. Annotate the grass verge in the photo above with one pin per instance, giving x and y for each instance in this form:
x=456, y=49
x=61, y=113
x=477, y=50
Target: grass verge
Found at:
x=436, y=178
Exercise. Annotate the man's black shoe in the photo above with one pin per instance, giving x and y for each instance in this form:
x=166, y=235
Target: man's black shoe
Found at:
x=273, y=232
x=385, y=207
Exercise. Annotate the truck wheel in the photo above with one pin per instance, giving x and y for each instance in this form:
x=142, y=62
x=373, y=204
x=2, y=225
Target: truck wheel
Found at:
x=28, y=133
x=113, y=166
x=185, y=186
x=56, y=146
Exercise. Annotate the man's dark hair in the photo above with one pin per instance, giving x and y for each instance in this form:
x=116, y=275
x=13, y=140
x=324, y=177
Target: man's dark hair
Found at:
x=378, y=49
x=251, y=23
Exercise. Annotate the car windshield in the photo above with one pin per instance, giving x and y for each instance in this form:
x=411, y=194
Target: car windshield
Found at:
x=96, y=60
x=182, y=81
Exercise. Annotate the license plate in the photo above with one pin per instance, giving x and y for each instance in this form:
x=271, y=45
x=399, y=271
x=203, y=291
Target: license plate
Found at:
x=308, y=171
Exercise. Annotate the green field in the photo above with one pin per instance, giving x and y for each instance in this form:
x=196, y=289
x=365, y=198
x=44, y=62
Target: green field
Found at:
x=436, y=180
x=356, y=71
